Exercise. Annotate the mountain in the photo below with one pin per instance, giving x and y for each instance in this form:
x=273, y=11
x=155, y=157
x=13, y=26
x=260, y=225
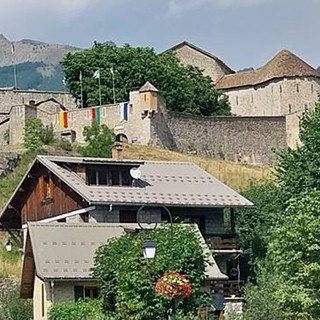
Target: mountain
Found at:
x=37, y=64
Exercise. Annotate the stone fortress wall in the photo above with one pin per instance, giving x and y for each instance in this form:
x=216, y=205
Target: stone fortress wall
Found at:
x=148, y=122
x=266, y=102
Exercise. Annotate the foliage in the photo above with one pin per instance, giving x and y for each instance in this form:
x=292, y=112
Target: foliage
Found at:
x=82, y=309
x=255, y=225
x=298, y=169
x=12, y=307
x=99, y=139
x=36, y=134
x=126, y=280
x=185, y=89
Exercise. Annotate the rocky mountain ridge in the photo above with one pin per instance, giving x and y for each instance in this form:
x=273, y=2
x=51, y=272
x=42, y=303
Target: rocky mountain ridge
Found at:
x=27, y=50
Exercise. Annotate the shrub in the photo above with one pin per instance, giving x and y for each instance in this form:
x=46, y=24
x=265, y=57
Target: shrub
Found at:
x=82, y=309
x=99, y=140
x=12, y=307
x=36, y=134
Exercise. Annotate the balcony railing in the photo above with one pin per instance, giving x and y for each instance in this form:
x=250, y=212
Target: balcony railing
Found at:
x=228, y=288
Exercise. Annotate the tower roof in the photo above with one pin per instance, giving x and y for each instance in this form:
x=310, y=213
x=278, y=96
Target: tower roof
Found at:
x=148, y=87
x=284, y=64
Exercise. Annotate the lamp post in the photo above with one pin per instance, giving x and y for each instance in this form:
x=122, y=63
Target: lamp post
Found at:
x=9, y=246
x=149, y=248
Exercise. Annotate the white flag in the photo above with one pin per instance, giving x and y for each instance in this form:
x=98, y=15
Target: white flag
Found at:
x=96, y=75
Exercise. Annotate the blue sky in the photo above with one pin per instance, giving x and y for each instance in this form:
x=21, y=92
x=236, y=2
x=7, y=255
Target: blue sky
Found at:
x=243, y=33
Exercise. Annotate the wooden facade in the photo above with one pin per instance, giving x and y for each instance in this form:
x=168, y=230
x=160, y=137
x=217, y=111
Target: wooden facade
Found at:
x=48, y=198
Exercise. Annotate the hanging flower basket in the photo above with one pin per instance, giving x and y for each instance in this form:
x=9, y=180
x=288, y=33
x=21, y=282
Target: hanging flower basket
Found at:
x=173, y=285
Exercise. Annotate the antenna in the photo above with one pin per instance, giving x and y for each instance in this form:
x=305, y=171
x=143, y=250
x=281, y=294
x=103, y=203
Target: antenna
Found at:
x=135, y=173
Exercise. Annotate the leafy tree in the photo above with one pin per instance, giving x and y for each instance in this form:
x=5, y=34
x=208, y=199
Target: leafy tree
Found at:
x=126, y=280
x=185, y=89
x=298, y=169
x=99, y=140
x=36, y=134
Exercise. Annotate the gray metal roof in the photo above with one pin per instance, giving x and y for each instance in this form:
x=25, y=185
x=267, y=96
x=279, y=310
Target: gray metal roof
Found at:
x=161, y=183
x=66, y=250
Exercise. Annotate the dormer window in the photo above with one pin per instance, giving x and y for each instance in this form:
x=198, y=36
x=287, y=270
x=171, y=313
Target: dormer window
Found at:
x=109, y=176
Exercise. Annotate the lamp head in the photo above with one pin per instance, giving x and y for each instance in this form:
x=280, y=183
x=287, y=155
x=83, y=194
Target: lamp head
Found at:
x=148, y=248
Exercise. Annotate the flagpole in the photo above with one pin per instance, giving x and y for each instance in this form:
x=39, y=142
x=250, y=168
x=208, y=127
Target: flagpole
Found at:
x=113, y=89
x=81, y=88
x=99, y=87
x=14, y=66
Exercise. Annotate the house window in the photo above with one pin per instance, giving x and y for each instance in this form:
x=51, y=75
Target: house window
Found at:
x=46, y=186
x=110, y=176
x=297, y=88
x=290, y=109
x=312, y=88
x=237, y=100
x=127, y=216
x=280, y=88
x=81, y=292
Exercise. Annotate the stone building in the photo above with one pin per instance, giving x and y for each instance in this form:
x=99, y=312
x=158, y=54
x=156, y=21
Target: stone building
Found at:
x=212, y=66
x=285, y=86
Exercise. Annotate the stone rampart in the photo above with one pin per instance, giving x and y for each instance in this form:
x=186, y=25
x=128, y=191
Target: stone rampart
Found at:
x=241, y=139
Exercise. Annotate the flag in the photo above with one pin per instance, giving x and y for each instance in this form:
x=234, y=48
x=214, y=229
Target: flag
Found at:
x=111, y=70
x=63, y=119
x=12, y=48
x=80, y=76
x=96, y=75
x=124, y=111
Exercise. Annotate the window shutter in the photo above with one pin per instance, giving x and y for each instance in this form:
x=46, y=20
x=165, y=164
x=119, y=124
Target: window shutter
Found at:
x=78, y=293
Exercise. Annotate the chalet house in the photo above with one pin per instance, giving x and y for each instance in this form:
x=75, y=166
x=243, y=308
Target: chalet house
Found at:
x=66, y=201
x=59, y=257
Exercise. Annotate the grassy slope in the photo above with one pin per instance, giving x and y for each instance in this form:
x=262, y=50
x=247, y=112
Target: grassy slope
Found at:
x=235, y=175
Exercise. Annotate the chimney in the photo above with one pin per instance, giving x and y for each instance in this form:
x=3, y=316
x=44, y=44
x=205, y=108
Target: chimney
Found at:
x=117, y=151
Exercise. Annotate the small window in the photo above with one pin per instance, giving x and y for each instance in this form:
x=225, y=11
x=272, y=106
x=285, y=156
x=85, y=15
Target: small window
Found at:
x=290, y=109
x=127, y=216
x=312, y=88
x=237, y=100
x=297, y=88
x=280, y=88
x=81, y=292
x=115, y=178
x=91, y=176
x=145, y=97
x=46, y=187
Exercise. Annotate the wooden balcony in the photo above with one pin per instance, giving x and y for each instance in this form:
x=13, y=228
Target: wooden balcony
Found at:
x=229, y=288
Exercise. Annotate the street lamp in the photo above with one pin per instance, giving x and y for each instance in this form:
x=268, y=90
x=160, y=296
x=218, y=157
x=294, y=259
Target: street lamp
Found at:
x=9, y=246
x=149, y=245
x=148, y=248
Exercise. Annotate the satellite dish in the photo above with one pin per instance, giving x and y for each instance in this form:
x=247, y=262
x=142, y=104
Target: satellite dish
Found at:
x=135, y=173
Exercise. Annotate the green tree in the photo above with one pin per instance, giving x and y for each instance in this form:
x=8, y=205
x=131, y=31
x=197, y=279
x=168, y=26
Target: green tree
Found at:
x=185, y=89
x=298, y=169
x=36, y=134
x=99, y=139
x=126, y=280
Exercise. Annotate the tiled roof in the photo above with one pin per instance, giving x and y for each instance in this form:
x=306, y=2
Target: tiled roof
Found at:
x=204, y=52
x=161, y=183
x=284, y=65
x=148, y=87
x=67, y=250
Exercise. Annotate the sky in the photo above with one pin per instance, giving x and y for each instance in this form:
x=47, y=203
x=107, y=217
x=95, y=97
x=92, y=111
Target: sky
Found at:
x=242, y=33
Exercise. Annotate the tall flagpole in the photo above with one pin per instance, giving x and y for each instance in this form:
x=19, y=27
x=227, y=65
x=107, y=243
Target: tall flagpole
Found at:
x=14, y=66
x=81, y=88
x=113, y=89
x=100, y=99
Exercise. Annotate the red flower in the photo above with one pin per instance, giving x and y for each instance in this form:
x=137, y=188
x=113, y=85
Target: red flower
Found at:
x=173, y=285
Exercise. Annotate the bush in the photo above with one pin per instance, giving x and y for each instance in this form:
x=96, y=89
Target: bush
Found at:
x=36, y=134
x=99, y=140
x=12, y=307
x=80, y=310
